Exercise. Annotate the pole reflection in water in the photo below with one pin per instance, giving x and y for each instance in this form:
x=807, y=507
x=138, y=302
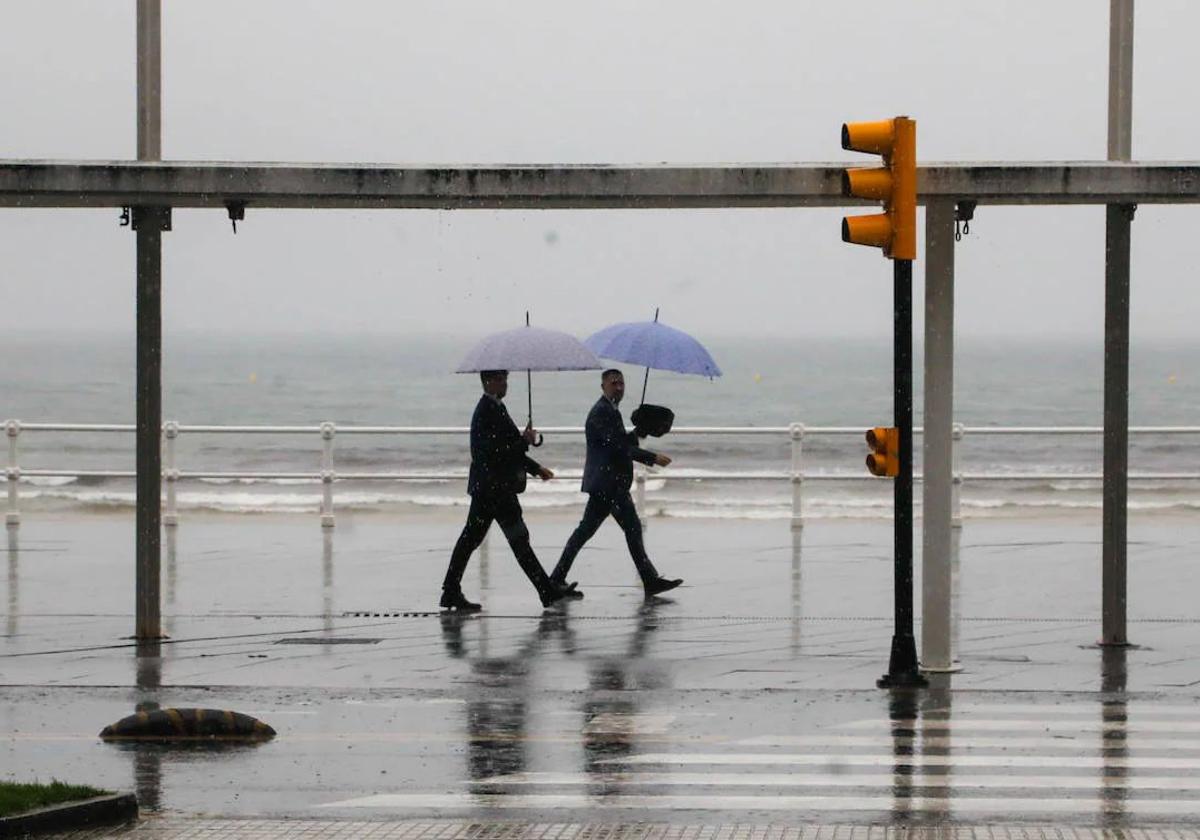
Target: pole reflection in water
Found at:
x=936, y=738
x=797, y=612
x=10, y=626
x=905, y=724
x=611, y=720
x=168, y=616
x=955, y=595
x=1114, y=743
x=327, y=583
x=499, y=697
x=150, y=756
x=147, y=757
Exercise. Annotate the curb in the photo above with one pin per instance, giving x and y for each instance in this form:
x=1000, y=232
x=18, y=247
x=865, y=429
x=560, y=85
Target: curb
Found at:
x=99, y=810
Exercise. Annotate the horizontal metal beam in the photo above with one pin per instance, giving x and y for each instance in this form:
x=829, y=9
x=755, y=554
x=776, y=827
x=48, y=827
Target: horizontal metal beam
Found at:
x=266, y=185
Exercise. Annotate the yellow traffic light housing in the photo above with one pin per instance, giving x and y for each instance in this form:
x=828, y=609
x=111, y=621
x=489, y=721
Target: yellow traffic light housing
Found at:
x=884, y=459
x=895, y=184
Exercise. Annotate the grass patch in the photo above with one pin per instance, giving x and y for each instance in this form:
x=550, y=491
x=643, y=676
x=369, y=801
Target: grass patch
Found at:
x=16, y=798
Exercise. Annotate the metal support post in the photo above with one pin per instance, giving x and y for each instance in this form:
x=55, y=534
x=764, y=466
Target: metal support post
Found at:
x=797, y=434
x=1118, y=218
x=149, y=79
x=149, y=224
x=12, y=474
x=1120, y=80
x=328, y=476
x=938, y=439
x=170, y=473
x=1116, y=423
x=902, y=665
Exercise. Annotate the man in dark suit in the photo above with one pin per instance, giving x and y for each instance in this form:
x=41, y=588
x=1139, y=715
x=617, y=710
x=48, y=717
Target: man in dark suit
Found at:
x=607, y=476
x=498, y=468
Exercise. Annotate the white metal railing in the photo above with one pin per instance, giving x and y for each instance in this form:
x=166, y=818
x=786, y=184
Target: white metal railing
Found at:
x=328, y=476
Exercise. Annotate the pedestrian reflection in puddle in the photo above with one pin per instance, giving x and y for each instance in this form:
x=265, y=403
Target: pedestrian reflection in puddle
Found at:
x=499, y=696
x=612, y=721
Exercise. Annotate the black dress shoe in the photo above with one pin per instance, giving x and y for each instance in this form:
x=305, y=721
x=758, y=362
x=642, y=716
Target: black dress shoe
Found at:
x=556, y=592
x=458, y=601
x=571, y=592
x=661, y=585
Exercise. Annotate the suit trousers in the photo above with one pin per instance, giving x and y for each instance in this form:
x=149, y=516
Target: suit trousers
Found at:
x=599, y=507
x=504, y=509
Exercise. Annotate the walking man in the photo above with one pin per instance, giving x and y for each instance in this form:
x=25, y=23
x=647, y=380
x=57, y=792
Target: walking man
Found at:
x=498, y=468
x=607, y=476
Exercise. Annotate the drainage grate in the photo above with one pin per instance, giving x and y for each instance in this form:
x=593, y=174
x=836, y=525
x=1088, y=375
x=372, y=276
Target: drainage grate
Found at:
x=316, y=640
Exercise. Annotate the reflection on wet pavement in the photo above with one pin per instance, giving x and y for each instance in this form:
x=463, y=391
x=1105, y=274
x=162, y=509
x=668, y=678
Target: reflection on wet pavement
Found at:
x=671, y=708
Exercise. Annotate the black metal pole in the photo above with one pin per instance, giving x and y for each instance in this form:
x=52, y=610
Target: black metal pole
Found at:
x=1116, y=424
x=902, y=666
x=149, y=224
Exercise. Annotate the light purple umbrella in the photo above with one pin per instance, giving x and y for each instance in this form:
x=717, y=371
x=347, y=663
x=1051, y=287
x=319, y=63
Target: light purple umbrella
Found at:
x=529, y=348
x=654, y=345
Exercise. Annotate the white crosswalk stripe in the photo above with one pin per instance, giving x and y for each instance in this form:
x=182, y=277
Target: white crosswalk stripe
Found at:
x=1082, y=760
x=909, y=805
x=1075, y=744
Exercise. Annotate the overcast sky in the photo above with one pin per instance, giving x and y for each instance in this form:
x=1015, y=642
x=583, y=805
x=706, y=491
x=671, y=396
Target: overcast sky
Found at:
x=681, y=81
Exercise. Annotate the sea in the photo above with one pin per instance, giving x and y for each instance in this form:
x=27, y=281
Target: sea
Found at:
x=408, y=380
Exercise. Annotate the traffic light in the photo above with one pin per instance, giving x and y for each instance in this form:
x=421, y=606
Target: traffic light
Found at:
x=895, y=184
x=884, y=459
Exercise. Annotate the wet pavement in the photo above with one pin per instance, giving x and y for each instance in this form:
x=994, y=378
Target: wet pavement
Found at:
x=745, y=699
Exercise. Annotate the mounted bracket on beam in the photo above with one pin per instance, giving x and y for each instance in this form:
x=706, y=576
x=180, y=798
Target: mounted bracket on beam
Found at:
x=151, y=218
x=964, y=212
x=236, y=211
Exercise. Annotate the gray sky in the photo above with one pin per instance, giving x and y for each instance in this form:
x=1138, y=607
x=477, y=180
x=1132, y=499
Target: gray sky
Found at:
x=614, y=82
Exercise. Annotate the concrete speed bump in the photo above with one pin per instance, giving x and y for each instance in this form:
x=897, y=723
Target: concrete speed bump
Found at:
x=183, y=724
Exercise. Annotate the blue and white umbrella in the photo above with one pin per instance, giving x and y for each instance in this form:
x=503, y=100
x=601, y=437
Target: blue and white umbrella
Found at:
x=654, y=345
x=529, y=348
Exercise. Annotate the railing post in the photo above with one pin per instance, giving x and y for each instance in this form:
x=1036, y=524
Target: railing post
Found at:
x=640, y=499
x=170, y=473
x=797, y=433
x=12, y=428
x=956, y=437
x=328, y=430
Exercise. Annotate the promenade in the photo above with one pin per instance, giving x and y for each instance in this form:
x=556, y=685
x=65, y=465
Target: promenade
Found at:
x=745, y=700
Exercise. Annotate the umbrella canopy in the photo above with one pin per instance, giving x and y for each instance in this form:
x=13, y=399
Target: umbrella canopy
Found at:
x=528, y=348
x=653, y=344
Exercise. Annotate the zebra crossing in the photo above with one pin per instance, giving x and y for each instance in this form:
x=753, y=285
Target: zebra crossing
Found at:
x=1115, y=763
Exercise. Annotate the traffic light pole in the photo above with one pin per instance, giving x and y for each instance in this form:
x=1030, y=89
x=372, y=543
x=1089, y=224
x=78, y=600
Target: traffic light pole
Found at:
x=902, y=667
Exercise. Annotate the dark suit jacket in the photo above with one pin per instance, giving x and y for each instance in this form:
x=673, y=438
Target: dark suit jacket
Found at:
x=498, y=459
x=611, y=451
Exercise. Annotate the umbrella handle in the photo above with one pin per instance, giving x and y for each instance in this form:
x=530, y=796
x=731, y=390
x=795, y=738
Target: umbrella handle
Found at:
x=537, y=442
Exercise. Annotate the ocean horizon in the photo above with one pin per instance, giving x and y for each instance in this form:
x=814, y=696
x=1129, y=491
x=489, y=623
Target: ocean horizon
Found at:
x=373, y=380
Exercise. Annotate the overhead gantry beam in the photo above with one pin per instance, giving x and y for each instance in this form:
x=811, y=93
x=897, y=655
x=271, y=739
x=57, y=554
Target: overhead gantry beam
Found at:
x=275, y=185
